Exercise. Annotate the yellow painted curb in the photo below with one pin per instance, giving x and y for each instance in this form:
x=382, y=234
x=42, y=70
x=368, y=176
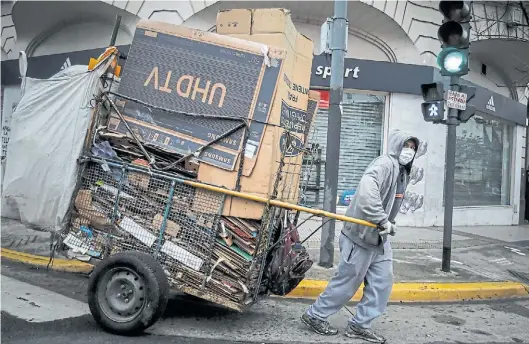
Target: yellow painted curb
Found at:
x=428, y=292
x=311, y=289
x=58, y=264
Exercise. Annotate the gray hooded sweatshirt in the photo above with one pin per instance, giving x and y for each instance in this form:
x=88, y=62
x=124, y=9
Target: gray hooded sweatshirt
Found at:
x=374, y=200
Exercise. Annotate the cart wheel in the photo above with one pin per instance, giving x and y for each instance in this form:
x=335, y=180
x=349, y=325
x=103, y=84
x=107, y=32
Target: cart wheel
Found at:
x=127, y=292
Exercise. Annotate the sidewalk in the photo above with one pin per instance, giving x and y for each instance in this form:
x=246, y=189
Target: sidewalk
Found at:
x=430, y=237
x=483, y=266
x=481, y=253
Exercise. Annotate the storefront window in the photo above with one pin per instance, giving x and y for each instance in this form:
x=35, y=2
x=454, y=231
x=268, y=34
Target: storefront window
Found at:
x=483, y=163
x=360, y=140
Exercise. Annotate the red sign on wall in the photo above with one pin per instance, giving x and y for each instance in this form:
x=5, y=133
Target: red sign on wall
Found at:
x=324, y=99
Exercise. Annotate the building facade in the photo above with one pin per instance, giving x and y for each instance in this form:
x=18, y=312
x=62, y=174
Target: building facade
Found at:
x=392, y=49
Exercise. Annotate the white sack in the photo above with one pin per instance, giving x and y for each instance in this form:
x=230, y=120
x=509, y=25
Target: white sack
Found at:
x=48, y=130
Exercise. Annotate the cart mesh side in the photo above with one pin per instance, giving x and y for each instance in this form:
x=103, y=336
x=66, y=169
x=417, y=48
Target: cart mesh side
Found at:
x=120, y=207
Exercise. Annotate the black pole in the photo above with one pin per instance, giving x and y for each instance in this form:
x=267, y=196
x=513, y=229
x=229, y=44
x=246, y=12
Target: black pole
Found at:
x=117, y=24
x=451, y=124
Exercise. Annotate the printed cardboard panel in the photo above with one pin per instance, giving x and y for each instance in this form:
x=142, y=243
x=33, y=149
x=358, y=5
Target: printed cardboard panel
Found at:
x=312, y=109
x=172, y=142
x=185, y=72
x=289, y=111
x=295, y=76
x=252, y=210
x=293, y=152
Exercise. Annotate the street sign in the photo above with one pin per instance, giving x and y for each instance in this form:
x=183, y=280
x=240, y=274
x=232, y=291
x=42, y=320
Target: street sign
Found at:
x=456, y=100
x=433, y=111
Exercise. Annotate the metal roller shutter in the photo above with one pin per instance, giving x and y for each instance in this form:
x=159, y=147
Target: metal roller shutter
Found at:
x=360, y=140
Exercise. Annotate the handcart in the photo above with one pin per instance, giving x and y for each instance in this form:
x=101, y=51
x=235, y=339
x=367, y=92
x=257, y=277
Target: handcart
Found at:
x=155, y=229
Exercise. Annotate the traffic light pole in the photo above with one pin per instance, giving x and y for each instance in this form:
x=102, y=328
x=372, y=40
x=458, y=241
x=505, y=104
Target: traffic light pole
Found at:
x=339, y=35
x=451, y=123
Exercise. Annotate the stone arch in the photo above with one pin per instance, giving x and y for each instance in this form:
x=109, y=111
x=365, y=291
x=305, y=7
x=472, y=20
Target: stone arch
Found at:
x=415, y=22
x=32, y=49
x=389, y=38
x=45, y=28
x=384, y=47
x=418, y=20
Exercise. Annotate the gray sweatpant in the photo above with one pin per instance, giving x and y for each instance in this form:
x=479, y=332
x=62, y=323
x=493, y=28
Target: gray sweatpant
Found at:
x=357, y=265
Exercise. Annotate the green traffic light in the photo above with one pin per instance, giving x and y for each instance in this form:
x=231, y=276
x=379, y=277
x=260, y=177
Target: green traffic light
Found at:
x=453, y=61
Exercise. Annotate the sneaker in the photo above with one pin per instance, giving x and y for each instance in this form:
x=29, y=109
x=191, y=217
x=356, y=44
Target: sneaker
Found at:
x=319, y=326
x=354, y=331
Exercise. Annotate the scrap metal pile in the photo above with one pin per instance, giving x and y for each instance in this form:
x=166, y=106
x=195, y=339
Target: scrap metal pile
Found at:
x=197, y=106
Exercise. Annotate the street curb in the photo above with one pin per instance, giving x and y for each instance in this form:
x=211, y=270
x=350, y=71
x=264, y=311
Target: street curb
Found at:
x=428, y=291
x=63, y=265
x=311, y=289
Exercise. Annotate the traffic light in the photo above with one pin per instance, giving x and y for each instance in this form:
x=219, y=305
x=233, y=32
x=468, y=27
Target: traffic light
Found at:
x=454, y=35
x=433, y=106
x=470, y=110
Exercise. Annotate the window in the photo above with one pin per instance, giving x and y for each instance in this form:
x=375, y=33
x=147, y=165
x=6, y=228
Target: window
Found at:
x=483, y=163
x=360, y=140
x=483, y=69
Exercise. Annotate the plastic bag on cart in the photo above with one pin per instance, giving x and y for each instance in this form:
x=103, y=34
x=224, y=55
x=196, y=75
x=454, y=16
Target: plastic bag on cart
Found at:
x=289, y=261
x=48, y=131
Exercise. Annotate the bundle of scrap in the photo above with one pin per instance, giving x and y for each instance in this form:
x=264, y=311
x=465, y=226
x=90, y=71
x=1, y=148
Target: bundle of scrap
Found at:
x=125, y=149
x=232, y=258
x=136, y=221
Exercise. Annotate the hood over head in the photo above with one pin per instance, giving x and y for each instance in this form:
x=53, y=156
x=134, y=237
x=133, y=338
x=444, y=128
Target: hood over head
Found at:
x=396, y=142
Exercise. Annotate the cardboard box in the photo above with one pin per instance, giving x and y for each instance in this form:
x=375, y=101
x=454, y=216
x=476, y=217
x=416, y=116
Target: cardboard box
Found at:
x=190, y=72
x=293, y=86
x=263, y=78
x=257, y=21
x=248, y=209
x=304, y=46
x=234, y=21
x=273, y=20
x=289, y=111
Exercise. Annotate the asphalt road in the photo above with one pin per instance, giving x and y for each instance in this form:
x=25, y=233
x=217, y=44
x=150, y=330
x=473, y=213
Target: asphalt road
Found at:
x=80, y=330
x=191, y=321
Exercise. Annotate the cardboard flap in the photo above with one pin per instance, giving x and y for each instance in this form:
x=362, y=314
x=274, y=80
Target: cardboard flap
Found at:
x=235, y=21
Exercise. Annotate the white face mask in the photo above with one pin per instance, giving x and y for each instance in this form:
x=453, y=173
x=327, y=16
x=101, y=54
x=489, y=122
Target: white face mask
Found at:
x=406, y=156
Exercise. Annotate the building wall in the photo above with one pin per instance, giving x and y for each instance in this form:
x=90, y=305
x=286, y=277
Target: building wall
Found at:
x=405, y=114
x=409, y=35
x=494, y=81
x=412, y=38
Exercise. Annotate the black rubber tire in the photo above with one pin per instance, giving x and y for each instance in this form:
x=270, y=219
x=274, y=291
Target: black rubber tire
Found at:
x=156, y=292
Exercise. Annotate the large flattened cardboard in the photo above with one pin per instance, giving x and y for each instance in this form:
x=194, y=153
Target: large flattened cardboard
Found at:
x=247, y=209
x=187, y=72
x=289, y=110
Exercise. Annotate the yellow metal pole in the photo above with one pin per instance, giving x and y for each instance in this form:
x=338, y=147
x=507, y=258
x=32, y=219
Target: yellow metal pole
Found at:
x=277, y=203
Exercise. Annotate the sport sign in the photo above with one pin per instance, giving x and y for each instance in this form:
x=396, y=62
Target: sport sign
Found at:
x=456, y=100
